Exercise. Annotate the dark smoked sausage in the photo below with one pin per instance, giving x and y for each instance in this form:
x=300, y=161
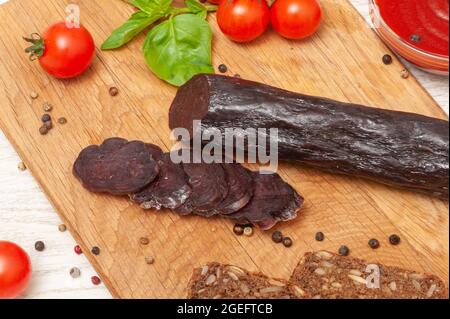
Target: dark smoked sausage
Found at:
x=395, y=148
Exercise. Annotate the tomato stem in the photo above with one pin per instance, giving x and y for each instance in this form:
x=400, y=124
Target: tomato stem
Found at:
x=36, y=50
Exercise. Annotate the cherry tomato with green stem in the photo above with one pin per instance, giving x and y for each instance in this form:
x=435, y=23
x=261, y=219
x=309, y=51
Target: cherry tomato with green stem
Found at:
x=15, y=270
x=243, y=20
x=295, y=19
x=63, y=51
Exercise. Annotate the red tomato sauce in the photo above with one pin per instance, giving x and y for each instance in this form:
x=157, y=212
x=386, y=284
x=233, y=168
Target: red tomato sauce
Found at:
x=422, y=23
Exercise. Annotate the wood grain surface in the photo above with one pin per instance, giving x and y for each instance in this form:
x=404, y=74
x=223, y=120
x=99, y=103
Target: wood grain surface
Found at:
x=342, y=61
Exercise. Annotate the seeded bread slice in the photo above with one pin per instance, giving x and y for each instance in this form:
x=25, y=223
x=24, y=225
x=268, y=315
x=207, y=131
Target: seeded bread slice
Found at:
x=218, y=281
x=325, y=275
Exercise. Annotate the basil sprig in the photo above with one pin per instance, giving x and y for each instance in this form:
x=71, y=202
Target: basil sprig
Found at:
x=178, y=45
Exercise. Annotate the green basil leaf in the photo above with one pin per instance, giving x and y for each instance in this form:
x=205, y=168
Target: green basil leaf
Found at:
x=179, y=48
x=153, y=7
x=125, y=33
x=195, y=6
x=152, y=11
x=198, y=8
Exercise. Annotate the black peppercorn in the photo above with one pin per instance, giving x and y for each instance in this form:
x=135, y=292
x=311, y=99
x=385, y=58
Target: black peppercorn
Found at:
x=113, y=91
x=223, y=68
x=394, y=239
x=344, y=251
x=95, y=250
x=415, y=38
x=43, y=130
x=39, y=246
x=287, y=242
x=277, y=237
x=144, y=241
x=320, y=236
x=238, y=229
x=46, y=118
x=387, y=59
x=374, y=243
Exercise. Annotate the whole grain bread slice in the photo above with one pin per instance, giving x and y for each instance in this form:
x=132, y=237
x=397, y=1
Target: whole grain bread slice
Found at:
x=325, y=275
x=220, y=281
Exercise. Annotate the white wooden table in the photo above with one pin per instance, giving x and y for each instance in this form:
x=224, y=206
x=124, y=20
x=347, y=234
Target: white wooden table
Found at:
x=26, y=216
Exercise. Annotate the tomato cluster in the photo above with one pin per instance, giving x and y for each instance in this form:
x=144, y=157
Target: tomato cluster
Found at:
x=246, y=20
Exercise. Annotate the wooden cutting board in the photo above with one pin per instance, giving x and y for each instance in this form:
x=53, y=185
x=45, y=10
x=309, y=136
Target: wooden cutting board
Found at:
x=343, y=61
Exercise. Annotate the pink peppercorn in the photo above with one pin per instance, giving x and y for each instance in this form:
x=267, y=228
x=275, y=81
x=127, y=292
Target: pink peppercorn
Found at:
x=77, y=250
x=95, y=280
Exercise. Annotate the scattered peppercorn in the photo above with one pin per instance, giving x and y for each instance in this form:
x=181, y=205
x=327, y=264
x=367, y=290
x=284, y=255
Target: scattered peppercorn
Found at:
x=62, y=120
x=95, y=250
x=47, y=107
x=223, y=68
x=374, y=243
x=238, y=229
x=344, y=251
x=150, y=260
x=320, y=236
x=77, y=250
x=21, y=166
x=34, y=95
x=287, y=242
x=95, y=280
x=144, y=241
x=394, y=239
x=46, y=118
x=48, y=125
x=248, y=231
x=404, y=74
x=203, y=1
x=415, y=38
x=387, y=59
x=62, y=228
x=43, y=130
x=277, y=237
x=75, y=272
x=113, y=91
x=39, y=246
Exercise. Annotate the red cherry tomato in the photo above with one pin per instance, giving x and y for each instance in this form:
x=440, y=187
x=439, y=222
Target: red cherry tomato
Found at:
x=243, y=20
x=64, y=52
x=15, y=270
x=295, y=19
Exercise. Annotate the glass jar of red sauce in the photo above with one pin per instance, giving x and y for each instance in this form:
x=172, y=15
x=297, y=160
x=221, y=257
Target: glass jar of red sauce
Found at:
x=418, y=30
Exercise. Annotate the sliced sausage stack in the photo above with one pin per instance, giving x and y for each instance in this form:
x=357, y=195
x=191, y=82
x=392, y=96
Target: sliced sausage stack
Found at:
x=152, y=180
